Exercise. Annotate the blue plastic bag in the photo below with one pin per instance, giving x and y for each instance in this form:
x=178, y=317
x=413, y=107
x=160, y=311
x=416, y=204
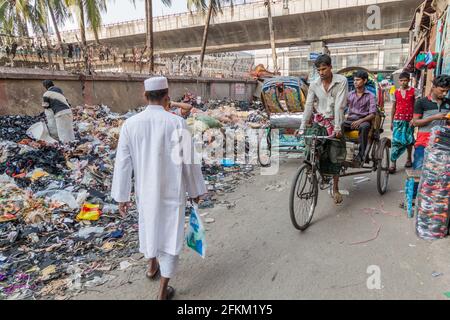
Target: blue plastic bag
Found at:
x=195, y=235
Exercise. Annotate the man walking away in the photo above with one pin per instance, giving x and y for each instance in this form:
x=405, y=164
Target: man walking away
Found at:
x=58, y=113
x=146, y=148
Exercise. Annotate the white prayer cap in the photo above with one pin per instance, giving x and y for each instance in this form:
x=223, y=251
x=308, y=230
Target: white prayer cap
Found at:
x=156, y=83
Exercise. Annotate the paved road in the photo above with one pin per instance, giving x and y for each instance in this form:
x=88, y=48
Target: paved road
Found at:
x=255, y=253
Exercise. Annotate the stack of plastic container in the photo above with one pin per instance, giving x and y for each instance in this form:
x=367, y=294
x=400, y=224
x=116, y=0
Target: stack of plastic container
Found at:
x=434, y=190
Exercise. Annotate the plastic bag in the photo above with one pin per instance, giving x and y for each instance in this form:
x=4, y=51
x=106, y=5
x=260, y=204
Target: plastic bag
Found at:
x=37, y=174
x=66, y=198
x=39, y=131
x=195, y=235
x=86, y=232
x=209, y=121
x=110, y=208
x=81, y=198
x=89, y=212
x=433, y=202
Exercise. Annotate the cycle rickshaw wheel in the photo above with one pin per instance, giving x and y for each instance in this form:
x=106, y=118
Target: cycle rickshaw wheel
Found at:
x=303, y=197
x=383, y=170
x=265, y=149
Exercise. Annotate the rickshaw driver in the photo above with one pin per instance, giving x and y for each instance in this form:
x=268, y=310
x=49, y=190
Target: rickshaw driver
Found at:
x=331, y=91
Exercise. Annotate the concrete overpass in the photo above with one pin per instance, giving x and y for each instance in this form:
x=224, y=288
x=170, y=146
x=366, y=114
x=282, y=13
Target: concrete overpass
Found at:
x=245, y=27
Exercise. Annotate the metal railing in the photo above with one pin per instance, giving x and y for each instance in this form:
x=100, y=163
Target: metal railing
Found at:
x=293, y=62
x=239, y=12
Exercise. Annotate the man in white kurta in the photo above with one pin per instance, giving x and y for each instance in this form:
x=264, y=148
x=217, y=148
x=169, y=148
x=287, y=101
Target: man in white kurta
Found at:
x=161, y=181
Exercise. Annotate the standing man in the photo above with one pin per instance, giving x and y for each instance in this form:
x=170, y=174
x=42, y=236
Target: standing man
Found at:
x=362, y=110
x=58, y=113
x=429, y=112
x=146, y=148
x=330, y=91
x=402, y=114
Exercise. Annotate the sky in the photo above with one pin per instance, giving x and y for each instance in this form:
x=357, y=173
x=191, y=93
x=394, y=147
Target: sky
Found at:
x=123, y=10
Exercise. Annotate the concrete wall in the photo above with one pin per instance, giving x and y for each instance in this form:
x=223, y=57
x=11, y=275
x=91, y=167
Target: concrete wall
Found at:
x=21, y=90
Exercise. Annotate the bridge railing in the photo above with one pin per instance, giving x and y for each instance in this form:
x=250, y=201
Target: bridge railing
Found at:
x=251, y=10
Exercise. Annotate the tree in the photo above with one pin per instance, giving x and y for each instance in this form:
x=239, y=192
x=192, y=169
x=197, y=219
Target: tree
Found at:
x=214, y=7
x=15, y=15
x=59, y=13
x=150, y=44
x=90, y=12
x=37, y=14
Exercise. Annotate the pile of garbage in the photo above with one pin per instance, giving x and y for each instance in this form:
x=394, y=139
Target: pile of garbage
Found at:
x=60, y=231
x=13, y=128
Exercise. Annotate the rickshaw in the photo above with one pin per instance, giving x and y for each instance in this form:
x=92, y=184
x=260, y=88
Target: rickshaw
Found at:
x=308, y=179
x=284, y=100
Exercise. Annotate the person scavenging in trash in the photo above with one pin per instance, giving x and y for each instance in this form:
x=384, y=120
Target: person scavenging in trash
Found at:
x=146, y=149
x=58, y=112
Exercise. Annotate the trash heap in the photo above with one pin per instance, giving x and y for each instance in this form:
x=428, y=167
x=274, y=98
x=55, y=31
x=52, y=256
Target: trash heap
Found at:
x=227, y=116
x=13, y=128
x=60, y=231
x=433, y=194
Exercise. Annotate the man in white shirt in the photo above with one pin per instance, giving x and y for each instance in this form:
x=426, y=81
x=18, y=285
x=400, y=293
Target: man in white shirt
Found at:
x=330, y=91
x=146, y=148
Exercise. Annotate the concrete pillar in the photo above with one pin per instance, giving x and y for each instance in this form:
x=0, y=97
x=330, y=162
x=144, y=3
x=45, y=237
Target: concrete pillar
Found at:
x=380, y=59
x=317, y=46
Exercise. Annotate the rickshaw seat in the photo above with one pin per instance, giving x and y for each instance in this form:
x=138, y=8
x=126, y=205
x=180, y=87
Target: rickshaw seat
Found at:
x=352, y=135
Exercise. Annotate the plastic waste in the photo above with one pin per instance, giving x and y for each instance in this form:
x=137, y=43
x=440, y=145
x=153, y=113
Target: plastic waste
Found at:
x=433, y=214
x=84, y=127
x=115, y=234
x=86, y=232
x=65, y=197
x=81, y=197
x=37, y=174
x=7, y=218
x=98, y=281
x=195, y=235
x=227, y=163
x=5, y=179
x=110, y=208
x=209, y=121
x=39, y=131
x=89, y=212
x=125, y=265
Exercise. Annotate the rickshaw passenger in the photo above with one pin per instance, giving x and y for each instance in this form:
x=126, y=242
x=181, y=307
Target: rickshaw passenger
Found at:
x=362, y=110
x=331, y=92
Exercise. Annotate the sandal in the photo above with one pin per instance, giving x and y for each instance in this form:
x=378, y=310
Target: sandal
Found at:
x=170, y=293
x=154, y=275
x=408, y=164
x=392, y=170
